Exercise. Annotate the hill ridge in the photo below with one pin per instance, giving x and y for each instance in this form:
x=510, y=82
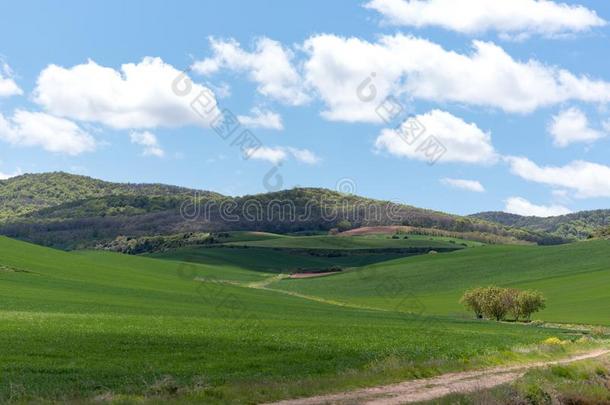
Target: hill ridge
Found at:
x=73, y=211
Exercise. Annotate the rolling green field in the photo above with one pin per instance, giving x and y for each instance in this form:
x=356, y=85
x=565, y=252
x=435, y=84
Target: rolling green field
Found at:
x=350, y=242
x=86, y=325
x=573, y=277
x=271, y=261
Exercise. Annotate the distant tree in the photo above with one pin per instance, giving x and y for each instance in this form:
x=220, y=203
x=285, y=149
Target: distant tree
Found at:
x=529, y=302
x=473, y=300
x=496, y=303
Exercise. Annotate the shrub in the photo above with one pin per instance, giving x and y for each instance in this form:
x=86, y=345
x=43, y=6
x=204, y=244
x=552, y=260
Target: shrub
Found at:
x=554, y=341
x=344, y=225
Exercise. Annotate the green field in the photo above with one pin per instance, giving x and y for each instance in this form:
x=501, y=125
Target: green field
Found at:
x=271, y=261
x=75, y=326
x=352, y=242
x=573, y=277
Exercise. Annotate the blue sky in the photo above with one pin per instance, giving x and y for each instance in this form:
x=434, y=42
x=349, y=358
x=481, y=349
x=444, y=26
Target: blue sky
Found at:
x=517, y=96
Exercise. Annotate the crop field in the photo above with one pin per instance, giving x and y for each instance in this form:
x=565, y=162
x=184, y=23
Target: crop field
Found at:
x=352, y=242
x=273, y=260
x=86, y=325
x=573, y=277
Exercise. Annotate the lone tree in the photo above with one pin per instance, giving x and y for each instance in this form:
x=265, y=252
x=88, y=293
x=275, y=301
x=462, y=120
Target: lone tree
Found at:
x=496, y=303
x=530, y=302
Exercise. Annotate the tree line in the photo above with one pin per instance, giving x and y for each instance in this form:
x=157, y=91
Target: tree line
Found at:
x=501, y=303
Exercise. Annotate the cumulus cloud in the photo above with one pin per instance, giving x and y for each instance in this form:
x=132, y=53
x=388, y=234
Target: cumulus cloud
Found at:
x=514, y=17
x=51, y=133
x=464, y=142
x=279, y=154
x=337, y=69
x=571, y=126
x=260, y=118
x=8, y=87
x=149, y=141
x=139, y=95
x=304, y=156
x=269, y=65
x=521, y=206
x=470, y=185
x=585, y=179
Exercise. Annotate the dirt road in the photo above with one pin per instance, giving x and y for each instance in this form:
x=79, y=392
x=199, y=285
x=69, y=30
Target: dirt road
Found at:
x=436, y=387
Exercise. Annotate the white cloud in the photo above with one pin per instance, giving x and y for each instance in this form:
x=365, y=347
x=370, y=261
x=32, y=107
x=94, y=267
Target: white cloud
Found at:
x=463, y=142
x=8, y=87
x=521, y=206
x=272, y=155
x=304, y=156
x=4, y=176
x=269, y=65
x=140, y=95
x=407, y=67
x=279, y=154
x=262, y=119
x=149, y=141
x=585, y=179
x=470, y=185
x=51, y=133
x=571, y=126
x=512, y=17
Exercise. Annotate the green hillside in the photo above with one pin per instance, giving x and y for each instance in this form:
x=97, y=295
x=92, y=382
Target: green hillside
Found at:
x=574, y=278
x=579, y=225
x=293, y=254
x=83, y=325
x=75, y=212
x=352, y=242
x=29, y=193
x=274, y=261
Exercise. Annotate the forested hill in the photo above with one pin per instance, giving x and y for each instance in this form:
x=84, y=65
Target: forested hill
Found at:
x=579, y=225
x=28, y=193
x=68, y=211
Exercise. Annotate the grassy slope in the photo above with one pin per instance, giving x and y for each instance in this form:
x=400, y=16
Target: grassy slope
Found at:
x=74, y=325
x=262, y=259
x=573, y=277
x=347, y=242
x=259, y=257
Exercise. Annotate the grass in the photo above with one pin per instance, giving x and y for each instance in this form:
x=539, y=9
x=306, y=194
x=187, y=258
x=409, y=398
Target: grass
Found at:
x=351, y=242
x=573, y=277
x=584, y=382
x=75, y=326
x=271, y=261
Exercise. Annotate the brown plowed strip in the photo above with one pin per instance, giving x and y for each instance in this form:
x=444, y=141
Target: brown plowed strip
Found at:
x=436, y=387
x=312, y=275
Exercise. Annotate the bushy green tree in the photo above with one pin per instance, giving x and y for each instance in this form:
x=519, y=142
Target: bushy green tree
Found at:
x=496, y=303
x=529, y=302
x=473, y=300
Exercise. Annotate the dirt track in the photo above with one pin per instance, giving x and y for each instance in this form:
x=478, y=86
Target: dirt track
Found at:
x=436, y=387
